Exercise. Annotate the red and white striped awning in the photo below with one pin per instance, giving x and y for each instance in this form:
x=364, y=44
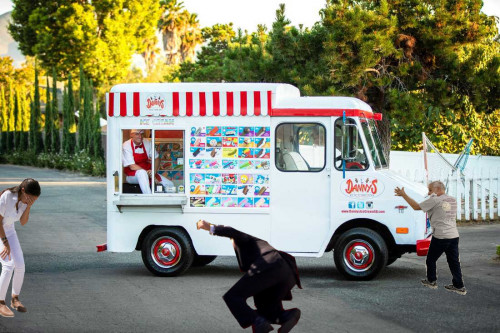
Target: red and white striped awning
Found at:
x=189, y=104
x=227, y=99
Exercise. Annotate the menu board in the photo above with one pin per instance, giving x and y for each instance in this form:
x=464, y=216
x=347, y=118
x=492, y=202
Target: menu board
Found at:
x=229, y=166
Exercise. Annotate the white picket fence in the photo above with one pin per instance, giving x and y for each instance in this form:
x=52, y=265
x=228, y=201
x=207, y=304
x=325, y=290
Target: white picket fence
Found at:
x=477, y=192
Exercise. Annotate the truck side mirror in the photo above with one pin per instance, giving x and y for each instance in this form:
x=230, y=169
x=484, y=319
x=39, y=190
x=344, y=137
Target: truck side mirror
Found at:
x=350, y=138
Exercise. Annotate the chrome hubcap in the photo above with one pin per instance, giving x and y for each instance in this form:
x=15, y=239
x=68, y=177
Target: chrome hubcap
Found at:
x=358, y=255
x=166, y=252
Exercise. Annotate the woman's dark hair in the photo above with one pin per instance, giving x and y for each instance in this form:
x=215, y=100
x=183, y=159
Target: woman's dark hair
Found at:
x=30, y=186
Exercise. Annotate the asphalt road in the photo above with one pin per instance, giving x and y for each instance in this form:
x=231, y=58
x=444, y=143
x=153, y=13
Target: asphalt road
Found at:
x=71, y=288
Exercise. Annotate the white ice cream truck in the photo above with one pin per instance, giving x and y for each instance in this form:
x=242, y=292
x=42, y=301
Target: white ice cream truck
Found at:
x=307, y=174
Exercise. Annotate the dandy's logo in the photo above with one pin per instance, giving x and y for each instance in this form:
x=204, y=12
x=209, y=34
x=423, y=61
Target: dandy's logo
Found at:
x=155, y=102
x=361, y=187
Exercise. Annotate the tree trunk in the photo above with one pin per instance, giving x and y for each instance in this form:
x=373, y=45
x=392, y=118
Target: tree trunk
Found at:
x=384, y=128
x=171, y=46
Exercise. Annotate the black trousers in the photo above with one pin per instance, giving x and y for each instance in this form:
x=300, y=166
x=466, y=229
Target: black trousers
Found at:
x=268, y=288
x=436, y=249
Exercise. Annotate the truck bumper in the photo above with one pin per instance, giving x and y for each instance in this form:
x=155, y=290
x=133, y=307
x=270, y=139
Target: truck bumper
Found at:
x=423, y=246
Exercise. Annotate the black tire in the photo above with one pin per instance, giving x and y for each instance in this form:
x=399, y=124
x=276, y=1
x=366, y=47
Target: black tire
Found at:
x=199, y=261
x=167, y=251
x=360, y=254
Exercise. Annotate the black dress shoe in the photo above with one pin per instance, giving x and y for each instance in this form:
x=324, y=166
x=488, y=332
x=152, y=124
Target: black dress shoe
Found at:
x=261, y=325
x=288, y=319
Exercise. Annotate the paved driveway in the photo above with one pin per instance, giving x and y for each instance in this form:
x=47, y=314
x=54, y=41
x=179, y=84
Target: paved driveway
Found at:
x=71, y=288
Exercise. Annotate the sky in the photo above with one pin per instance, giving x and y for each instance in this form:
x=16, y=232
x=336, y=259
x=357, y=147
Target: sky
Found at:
x=247, y=14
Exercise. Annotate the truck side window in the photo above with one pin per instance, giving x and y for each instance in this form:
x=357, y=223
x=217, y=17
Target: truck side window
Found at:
x=300, y=147
x=360, y=163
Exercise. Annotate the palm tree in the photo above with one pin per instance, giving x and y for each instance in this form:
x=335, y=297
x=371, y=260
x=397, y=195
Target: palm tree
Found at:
x=191, y=36
x=150, y=52
x=170, y=25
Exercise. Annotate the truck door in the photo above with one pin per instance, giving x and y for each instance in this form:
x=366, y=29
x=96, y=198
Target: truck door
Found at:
x=300, y=185
x=353, y=183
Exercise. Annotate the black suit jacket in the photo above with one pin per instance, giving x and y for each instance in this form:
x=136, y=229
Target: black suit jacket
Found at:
x=255, y=253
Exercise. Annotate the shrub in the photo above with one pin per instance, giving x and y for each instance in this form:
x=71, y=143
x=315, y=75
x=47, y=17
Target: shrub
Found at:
x=80, y=161
x=498, y=251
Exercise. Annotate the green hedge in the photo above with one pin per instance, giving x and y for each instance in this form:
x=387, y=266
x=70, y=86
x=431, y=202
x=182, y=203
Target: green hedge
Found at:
x=79, y=161
x=498, y=251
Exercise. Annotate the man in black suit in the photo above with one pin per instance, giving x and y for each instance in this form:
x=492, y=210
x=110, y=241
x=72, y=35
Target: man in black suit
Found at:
x=269, y=277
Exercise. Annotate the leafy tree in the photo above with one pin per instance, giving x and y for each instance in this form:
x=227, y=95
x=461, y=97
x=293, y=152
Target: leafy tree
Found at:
x=426, y=65
x=403, y=58
x=210, y=60
x=102, y=35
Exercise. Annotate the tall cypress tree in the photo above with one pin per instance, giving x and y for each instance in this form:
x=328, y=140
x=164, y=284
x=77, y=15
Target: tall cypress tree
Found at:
x=24, y=112
x=32, y=117
x=65, y=129
x=11, y=122
x=18, y=118
x=48, y=120
x=81, y=92
x=82, y=116
x=3, y=121
x=35, y=129
x=89, y=118
x=55, y=114
x=31, y=134
x=71, y=118
x=98, y=151
x=90, y=114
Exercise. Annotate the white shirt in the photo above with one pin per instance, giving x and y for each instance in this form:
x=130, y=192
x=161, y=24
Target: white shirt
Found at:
x=8, y=209
x=128, y=156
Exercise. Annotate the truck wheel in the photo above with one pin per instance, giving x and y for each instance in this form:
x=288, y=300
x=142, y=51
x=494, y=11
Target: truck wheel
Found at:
x=360, y=254
x=167, y=251
x=199, y=261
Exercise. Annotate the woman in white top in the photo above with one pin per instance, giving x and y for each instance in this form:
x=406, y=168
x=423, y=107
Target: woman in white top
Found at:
x=15, y=204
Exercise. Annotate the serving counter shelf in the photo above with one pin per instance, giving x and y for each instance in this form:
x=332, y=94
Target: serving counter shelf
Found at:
x=144, y=200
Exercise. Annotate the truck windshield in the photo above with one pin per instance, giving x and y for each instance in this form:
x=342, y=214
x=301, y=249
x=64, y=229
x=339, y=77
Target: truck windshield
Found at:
x=374, y=143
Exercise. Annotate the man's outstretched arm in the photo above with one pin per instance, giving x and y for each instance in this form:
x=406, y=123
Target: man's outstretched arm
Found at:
x=223, y=231
x=400, y=192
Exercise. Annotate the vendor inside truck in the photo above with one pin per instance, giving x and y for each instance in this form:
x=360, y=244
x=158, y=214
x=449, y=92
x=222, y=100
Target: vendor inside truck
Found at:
x=137, y=156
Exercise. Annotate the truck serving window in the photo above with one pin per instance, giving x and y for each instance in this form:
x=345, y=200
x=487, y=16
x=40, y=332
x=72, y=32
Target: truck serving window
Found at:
x=360, y=162
x=150, y=153
x=300, y=147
